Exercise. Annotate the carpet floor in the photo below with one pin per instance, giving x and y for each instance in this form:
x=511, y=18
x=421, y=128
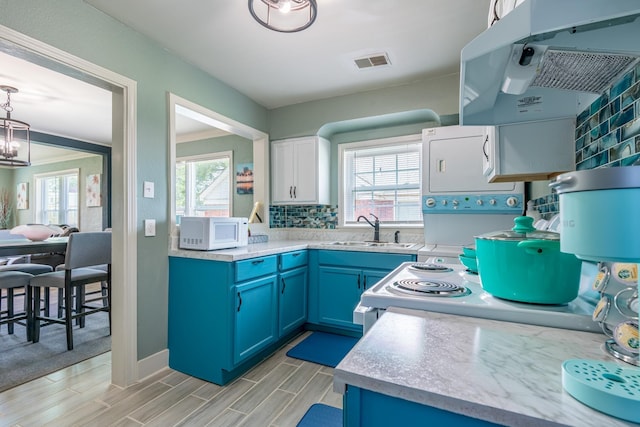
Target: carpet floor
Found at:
x=22, y=361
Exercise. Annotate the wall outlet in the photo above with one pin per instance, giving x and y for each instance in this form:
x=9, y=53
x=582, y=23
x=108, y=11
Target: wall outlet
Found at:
x=149, y=227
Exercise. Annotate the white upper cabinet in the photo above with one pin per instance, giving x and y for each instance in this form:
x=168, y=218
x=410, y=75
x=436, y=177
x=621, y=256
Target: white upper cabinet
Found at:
x=300, y=171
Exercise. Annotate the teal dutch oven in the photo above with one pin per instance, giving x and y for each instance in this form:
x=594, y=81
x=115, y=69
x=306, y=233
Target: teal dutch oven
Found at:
x=525, y=265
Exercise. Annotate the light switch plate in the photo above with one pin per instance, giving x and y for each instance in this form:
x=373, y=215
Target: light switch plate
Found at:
x=149, y=227
x=149, y=190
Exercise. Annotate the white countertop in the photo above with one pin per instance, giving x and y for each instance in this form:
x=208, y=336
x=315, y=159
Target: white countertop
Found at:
x=502, y=372
x=281, y=246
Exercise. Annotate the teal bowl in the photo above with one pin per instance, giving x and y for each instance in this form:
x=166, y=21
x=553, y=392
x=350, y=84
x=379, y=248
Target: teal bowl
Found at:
x=469, y=252
x=469, y=262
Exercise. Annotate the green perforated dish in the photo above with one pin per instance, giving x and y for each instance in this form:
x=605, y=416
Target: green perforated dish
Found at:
x=605, y=386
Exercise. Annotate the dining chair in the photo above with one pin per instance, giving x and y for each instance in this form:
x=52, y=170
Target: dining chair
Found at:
x=10, y=281
x=15, y=288
x=85, y=250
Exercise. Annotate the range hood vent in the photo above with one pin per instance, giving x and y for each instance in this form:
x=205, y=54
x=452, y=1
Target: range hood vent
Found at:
x=581, y=71
x=547, y=60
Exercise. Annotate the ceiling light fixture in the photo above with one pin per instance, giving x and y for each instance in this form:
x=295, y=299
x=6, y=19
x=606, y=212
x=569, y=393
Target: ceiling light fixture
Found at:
x=15, y=148
x=285, y=16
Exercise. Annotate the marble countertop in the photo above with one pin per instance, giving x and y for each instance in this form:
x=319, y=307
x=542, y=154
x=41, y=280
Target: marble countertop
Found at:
x=502, y=372
x=281, y=246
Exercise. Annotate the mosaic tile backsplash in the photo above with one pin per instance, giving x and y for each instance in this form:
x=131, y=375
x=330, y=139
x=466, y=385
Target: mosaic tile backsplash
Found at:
x=303, y=216
x=607, y=133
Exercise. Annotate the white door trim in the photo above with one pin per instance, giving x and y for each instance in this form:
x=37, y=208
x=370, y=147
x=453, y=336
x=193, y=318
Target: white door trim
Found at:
x=260, y=154
x=124, y=354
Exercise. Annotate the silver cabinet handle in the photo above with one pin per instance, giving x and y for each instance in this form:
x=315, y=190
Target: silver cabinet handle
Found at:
x=239, y=301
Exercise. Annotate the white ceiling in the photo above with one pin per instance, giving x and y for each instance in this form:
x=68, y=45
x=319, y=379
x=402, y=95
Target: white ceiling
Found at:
x=422, y=38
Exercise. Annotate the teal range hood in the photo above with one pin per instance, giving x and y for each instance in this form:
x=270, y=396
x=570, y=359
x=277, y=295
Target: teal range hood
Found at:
x=547, y=59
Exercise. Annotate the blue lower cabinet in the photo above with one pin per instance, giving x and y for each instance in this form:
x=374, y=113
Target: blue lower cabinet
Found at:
x=368, y=408
x=338, y=294
x=224, y=317
x=337, y=281
x=293, y=300
x=256, y=317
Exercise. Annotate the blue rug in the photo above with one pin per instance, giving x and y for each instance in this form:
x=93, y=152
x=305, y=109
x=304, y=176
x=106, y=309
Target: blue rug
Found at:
x=320, y=415
x=323, y=348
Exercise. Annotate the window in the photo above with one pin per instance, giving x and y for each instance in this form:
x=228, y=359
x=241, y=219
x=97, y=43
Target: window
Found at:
x=57, y=198
x=203, y=185
x=381, y=177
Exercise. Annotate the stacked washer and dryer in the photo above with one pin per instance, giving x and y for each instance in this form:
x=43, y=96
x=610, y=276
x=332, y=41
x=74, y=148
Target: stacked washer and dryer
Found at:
x=457, y=201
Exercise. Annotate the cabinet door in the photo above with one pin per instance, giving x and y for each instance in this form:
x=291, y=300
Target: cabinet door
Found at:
x=305, y=164
x=256, y=311
x=282, y=172
x=339, y=292
x=371, y=277
x=293, y=300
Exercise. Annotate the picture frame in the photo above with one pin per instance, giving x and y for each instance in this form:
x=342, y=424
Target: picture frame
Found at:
x=244, y=178
x=22, y=196
x=93, y=190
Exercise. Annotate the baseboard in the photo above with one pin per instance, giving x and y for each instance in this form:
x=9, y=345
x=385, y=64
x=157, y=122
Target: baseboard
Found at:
x=152, y=364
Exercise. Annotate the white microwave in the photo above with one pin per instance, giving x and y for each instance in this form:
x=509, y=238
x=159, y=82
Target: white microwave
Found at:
x=209, y=233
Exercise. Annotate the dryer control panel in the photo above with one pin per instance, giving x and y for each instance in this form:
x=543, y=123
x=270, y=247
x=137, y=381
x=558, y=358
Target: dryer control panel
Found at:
x=473, y=203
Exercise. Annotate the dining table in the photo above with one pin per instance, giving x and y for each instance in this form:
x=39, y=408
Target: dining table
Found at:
x=11, y=247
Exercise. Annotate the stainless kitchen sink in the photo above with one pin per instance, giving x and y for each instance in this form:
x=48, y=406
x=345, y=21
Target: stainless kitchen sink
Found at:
x=356, y=243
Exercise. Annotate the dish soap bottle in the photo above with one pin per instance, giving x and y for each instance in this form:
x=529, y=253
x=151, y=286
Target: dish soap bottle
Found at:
x=532, y=211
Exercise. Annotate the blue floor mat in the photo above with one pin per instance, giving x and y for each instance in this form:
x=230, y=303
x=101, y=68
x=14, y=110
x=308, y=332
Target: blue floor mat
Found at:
x=319, y=415
x=323, y=348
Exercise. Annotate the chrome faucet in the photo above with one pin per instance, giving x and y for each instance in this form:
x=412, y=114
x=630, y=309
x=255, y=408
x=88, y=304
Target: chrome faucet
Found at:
x=375, y=225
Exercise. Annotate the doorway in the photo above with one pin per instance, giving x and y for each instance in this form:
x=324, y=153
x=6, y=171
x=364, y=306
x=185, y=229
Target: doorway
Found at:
x=124, y=210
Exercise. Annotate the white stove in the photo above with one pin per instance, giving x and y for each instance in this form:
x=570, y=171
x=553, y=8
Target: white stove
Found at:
x=472, y=301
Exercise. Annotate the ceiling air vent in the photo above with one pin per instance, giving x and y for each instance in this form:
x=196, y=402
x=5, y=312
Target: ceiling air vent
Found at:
x=376, y=60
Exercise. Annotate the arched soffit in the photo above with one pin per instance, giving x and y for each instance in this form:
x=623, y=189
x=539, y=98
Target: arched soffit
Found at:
x=375, y=122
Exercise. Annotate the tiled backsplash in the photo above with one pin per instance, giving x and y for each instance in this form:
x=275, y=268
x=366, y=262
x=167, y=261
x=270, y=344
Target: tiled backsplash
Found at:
x=607, y=133
x=303, y=216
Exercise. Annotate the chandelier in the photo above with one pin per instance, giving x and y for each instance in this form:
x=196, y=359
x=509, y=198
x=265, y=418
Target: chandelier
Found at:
x=15, y=147
x=285, y=16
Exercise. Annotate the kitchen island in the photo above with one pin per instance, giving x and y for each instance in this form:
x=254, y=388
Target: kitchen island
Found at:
x=500, y=372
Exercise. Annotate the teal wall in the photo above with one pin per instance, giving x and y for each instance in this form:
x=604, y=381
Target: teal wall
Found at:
x=437, y=94
x=90, y=217
x=242, y=153
x=83, y=31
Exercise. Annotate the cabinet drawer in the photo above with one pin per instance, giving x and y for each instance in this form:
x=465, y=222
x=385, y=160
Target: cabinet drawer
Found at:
x=293, y=259
x=383, y=261
x=256, y=267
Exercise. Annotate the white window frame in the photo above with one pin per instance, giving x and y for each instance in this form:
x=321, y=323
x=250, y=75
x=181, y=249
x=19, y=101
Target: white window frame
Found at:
x=39, y=190
x=214, y=156
x=399, y=140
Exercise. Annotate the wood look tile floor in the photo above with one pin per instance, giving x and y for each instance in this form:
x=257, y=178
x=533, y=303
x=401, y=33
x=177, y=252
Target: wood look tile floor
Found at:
x=277, y=393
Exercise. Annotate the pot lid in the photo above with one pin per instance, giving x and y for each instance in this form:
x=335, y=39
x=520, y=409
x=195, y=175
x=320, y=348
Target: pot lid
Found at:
x=597, y=179
x=522, y=230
